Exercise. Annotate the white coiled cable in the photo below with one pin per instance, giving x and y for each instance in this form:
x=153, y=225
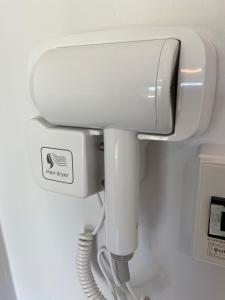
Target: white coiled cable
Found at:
x=84, y=271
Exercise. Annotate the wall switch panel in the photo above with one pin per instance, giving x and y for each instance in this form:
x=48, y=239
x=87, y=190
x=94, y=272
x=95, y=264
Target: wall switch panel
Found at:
x=217, y=218
x=209, y=240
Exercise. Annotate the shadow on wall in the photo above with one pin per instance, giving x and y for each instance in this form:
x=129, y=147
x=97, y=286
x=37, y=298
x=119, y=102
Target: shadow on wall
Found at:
x=154, y=278
x=166, y=213
x=7, y=291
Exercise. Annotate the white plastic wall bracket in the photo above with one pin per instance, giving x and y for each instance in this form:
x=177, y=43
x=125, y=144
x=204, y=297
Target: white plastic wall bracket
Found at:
x=195, y=87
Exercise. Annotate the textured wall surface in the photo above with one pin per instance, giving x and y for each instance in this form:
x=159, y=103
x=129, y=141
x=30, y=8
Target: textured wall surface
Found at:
x=40, y=228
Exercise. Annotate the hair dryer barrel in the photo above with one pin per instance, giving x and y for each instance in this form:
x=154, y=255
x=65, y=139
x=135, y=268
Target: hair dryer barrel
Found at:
x=122, y=191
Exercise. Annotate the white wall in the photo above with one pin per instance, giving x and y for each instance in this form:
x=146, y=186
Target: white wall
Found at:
x=40, y=228
x=7, y=291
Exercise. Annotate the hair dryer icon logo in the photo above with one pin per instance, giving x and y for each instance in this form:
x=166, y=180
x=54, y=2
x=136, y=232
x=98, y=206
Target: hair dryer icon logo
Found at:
x=53, y=159
x=57, y=164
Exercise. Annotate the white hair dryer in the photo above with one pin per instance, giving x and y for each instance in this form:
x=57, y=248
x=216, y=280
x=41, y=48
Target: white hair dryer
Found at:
x=130, y=85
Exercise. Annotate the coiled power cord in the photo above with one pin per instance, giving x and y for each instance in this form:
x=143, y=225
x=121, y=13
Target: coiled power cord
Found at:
x=121, y=290
x=84, y=271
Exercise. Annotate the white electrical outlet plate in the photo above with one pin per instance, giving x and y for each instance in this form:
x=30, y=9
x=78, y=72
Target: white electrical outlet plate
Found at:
x=209, y=241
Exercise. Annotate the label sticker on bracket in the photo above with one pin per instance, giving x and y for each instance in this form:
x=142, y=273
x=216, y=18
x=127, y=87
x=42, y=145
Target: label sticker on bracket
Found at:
x=57, y=164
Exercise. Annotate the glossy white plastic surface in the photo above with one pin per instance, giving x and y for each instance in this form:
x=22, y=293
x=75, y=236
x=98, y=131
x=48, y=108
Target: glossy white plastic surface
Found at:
x=75, y=170
x=108, y=84
x=122, y=79
x=121, y=190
